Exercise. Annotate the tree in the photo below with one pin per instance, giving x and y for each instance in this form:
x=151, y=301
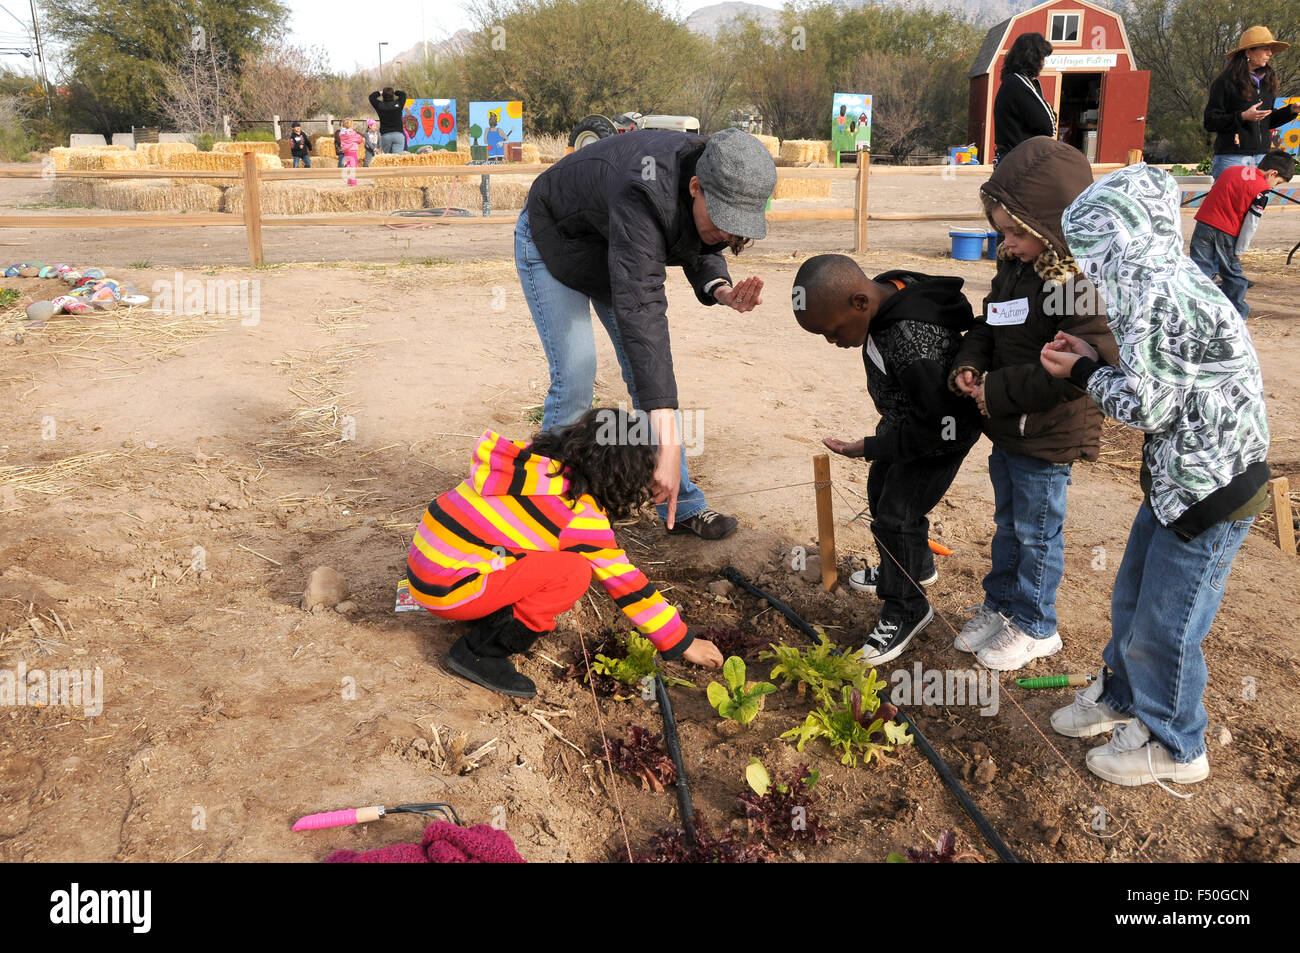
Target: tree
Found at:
x=1182, y=43
x=117, y=50
x=570, y=58
x=283, y=82
x=197, y=92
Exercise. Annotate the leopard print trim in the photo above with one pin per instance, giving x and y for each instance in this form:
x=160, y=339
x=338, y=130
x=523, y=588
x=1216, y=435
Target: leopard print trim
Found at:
x=1049, y=266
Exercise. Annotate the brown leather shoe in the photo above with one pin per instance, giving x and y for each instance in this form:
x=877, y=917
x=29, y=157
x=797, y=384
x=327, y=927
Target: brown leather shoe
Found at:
x=707, y=525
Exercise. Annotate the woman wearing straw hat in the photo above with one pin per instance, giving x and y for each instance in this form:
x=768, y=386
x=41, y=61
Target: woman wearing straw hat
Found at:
x=599, y=230
x=1240, y=112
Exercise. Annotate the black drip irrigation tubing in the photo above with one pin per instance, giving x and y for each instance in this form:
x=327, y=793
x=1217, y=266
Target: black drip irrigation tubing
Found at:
x=987, y=831
x=671, y=738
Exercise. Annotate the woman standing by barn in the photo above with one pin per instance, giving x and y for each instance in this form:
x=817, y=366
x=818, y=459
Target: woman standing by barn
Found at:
x=1020, y=111
x=1240, y=111
x=599, y=230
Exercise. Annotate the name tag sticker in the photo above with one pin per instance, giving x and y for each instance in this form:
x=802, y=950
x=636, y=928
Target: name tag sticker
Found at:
x=873, y=352
x=1002, y=313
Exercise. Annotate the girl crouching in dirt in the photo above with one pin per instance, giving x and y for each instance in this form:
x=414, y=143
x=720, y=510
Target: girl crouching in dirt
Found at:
x=517, y=543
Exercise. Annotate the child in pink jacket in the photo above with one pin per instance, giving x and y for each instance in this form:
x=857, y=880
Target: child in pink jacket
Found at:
x=351, y=141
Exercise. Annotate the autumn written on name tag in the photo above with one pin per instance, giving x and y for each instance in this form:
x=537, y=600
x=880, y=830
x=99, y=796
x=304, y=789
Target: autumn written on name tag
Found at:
x=1008, y=312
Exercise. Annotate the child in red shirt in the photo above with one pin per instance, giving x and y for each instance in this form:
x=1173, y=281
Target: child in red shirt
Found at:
x=1219, y=220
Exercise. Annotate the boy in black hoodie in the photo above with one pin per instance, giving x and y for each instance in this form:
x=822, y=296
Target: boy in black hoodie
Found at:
x=909, y=326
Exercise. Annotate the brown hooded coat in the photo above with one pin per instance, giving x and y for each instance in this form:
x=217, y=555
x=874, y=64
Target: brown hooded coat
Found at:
x=1029, y=411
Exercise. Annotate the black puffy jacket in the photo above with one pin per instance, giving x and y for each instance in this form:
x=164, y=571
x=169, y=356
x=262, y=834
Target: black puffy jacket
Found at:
x=608, y=220
x=390, y=114
x=1234, y=136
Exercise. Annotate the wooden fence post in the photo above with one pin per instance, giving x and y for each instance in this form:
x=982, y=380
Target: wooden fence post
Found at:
x=860, y=203
x=275, y=127
x=825, y=520
x=1134, y=157
x=252, y=209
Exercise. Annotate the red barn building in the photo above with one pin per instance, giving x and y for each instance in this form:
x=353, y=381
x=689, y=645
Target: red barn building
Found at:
x=1089, y=80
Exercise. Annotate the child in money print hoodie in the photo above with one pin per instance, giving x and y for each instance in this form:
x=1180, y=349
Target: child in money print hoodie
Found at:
x=1039, y=425
x=1188, y=377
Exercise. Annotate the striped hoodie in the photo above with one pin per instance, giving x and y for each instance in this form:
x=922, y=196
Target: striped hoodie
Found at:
x=509, y=506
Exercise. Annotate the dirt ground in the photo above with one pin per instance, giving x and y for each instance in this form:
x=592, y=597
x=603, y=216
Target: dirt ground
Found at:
x=168, y=482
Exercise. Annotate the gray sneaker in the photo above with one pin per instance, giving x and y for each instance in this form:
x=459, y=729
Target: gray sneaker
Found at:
x=980, y=630
x=1087, y=715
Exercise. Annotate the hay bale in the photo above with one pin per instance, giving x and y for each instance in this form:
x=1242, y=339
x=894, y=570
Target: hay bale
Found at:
x=73, y=192
x=806, y=150
x=60, y=156
x=436, y=157
x=771, y=143
x=217, y=161
x=802, y=188
x=322, y=147
x=156, y=153
x=101, y=160
x=531, y=153
x=157, y=195
x=506, y=196
x=277, y=198
x=239, y=148
x=359, y=198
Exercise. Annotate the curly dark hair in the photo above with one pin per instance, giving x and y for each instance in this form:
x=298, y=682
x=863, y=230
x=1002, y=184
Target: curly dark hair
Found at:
x=1237, y=75
x=607, y=453
x=1026, y=55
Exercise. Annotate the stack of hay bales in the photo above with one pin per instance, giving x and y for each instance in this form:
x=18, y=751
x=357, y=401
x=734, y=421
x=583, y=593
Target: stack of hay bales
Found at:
x=806, y=150
x=239, y=148
x=103, y=160
x=157, y=195
x=156, y=153
x=771, y=143
x=458, y=193
x=73, y=191
x=787, y=188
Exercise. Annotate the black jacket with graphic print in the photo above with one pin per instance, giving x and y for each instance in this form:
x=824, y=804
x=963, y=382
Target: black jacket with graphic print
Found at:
x=916, y=334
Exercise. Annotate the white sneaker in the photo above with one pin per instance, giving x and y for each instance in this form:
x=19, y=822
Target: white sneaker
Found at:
x=1087, y=715
x=1012, y=649
x=865, y=580
x=980, y=630
x=1132, y=757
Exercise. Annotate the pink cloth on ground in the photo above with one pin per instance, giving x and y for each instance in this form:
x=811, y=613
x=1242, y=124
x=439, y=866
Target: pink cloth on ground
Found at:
x=443, y=843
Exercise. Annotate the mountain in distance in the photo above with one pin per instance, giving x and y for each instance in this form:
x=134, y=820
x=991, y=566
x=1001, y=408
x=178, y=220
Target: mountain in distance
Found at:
x=706, y=21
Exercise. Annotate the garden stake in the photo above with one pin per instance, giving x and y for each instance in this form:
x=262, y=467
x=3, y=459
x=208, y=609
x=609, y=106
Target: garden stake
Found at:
x=361, y=815
x=684, y=806
x=991, y=836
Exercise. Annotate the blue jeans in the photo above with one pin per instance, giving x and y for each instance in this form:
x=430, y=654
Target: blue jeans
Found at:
x=305, y=160
x=1029, y=543
x=1166, y=596
x=392, y=142
x=563, y=319
x=1215, y=252
x=1221, y=162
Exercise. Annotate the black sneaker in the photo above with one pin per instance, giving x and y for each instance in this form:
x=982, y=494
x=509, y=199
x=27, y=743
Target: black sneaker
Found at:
x=866, y=580
x=494, y=674
x=707, y=525
x=890, y=636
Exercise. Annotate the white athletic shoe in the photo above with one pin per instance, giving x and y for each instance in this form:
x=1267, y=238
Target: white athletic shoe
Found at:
x=1087, y=715
x=1012, y=649
x=1132, y=757
x=980, y=630
x=865, y=580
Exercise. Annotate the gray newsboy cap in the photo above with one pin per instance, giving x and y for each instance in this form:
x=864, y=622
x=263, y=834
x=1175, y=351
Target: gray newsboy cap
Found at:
x=738, y=175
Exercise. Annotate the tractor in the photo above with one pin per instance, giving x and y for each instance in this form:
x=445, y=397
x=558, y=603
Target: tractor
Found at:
x=592, y=128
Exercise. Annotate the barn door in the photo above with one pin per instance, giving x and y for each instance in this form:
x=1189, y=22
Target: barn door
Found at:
x=1123, y=113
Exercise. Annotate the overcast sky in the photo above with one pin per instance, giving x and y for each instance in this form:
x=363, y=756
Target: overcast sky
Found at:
x=349, y=30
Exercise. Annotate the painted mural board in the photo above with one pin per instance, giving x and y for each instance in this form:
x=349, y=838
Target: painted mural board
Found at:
x=430, y=122
x=851, y=122
x=493, y=125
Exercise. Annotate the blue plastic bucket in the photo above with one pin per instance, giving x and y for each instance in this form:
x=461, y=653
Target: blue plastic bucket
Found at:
x=991, y=249
x=967, y=243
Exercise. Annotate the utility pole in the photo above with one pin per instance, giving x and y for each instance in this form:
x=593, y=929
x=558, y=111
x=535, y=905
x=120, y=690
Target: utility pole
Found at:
x=381, y=61
x=40, y=53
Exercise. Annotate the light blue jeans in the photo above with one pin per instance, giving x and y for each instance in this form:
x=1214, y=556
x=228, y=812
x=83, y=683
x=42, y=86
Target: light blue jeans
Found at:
x=1221, y=162
x=1166, y=596
x=1029, y=543
x=563, y=320
x=392, y=142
